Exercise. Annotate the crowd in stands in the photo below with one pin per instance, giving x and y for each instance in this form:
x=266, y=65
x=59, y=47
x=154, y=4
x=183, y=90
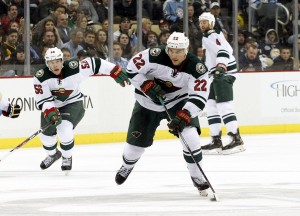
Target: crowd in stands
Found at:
x=80, y=29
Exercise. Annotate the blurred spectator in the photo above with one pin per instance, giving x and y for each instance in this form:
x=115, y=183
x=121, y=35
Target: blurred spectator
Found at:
x=195, y=34
x=147, y=7
x=9, y=46
x=173, y=10
x=152, y=43
x=76, y=37
x=4, y=4
x=49, y=39
x=82, y=54
x=17, y=61
x=82, y=23
x=241, y=42
x=284, y=62
x=102, y=9
x=151, y=38
x=88, y=43
x=125, y=8
x=92, y=13
x=66, y=52
x=50, y=36
x=35, y=56
x=57, y=10
x=146, y=27
x=163, y=37
x=62, y=27
x=250, y=60
x=125, y=27
x=101, y=44
x=105, y=25
x=72, y=14
x=200, y=54
x=157, y=10
x=64, y=3
x=12, y=15
x=164, y=25
x=128, y=51
x=117, y=55
x=220, y=24
x=43, y=10
x=270, y=43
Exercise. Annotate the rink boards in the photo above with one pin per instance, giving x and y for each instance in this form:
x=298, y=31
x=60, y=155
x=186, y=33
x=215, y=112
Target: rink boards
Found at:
x=265, y=102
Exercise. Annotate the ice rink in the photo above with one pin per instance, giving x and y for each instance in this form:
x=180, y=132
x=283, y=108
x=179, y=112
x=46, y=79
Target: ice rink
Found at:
x=263, y=180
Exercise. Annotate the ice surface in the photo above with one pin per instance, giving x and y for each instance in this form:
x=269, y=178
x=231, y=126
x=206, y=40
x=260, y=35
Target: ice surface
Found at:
x=263, y=180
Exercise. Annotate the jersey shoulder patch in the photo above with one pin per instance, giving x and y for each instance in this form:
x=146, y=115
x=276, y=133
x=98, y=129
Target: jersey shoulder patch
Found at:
x=195, y=66
x=158, y=55
x=43, y=74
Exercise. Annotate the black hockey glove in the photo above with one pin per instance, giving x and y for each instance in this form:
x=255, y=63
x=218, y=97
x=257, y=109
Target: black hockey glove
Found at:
x=13, y=111
x=220, y=70
x=179, y=122
x=150, y=88
x=120, y=76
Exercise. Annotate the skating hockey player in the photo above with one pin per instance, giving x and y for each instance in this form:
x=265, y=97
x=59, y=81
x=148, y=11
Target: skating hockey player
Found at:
x=181, y=79
x=7, y=109
x=222, y=68
x=59, y=98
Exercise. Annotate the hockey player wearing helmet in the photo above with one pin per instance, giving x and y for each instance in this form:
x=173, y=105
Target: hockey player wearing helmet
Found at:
x=59, y=98
x=7, y=109
x=222, y=69
x=181, y=79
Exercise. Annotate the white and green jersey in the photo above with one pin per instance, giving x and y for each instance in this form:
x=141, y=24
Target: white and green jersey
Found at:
x=218, y=51
x=189, y=81
x=59, y=90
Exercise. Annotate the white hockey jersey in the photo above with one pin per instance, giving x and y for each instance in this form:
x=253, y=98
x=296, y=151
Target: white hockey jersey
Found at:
x=57, y=91
x=189, y=81
x=218, y=51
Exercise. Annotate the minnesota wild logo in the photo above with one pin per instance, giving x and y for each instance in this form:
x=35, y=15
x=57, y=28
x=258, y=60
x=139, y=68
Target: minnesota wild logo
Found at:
x=61, y=94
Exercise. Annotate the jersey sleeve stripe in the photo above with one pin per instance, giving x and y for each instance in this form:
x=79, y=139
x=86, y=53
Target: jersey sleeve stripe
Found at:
x=98, y=64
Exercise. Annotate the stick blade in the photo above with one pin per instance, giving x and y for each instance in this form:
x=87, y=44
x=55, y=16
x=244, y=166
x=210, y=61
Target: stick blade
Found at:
x=215, y=198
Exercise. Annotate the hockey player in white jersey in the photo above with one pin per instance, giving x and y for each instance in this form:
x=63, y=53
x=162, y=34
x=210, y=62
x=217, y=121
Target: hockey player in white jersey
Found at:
x=59, y=98
x=181, y=79
x=222, y=69
x=7, y=109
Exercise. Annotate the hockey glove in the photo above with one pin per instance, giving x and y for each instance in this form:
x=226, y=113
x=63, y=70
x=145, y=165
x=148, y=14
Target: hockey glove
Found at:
x=220, y=70
x=182, y=118
x=13, y=111
x=150, y=88
x=120, y=76
x=53, y=115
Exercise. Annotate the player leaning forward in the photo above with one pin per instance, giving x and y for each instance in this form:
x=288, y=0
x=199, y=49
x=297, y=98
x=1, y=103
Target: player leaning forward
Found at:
x=222, y=67
x=180, y=78
x=59, y=97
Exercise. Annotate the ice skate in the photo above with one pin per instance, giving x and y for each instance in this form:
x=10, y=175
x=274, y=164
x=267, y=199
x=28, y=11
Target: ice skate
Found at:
x=49, y=160
x=122, y=175
x=235, y=146
x=201, y=185
x=66, y=165
x=214, y=147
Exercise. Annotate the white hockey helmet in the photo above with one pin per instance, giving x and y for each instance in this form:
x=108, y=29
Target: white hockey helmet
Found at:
x=209, y=17
x=178, y=40
x=52, y=54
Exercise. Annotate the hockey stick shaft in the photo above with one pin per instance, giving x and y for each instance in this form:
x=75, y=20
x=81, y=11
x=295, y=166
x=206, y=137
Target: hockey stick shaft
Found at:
x=187, y=146
x=27, y=140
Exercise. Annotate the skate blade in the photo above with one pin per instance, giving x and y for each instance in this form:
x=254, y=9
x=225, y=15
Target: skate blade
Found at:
x=217, y=151
x=203, y=193
x=234, y=150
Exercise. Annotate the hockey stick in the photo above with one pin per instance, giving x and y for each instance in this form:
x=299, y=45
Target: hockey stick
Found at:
x=216, y=197
x=27, y=140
